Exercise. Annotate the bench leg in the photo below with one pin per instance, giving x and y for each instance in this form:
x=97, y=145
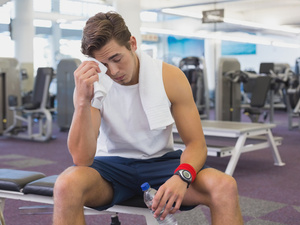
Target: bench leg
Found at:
x=276, y=155
x=235, y=154
x=2, y=202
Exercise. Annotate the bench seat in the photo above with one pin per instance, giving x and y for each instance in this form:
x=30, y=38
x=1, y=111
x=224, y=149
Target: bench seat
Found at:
x=37, y=187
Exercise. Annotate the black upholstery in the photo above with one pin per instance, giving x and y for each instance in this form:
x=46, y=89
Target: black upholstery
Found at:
x=260, y=92
x=38, y=89
x=42, y=186
x=15, y=180
x=266, y=68
x=258, y=97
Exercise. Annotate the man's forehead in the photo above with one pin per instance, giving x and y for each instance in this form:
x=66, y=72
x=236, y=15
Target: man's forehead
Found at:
x=109, y=51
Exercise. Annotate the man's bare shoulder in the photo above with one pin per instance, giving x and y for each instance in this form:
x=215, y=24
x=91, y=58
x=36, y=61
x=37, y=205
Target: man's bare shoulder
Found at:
x=175, y=80
x=169, y=69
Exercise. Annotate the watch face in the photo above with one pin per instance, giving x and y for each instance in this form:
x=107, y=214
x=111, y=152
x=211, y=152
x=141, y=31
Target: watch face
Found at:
x=186, y=174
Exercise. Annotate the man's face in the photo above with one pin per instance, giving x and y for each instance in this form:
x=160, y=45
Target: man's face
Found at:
x=121, y=63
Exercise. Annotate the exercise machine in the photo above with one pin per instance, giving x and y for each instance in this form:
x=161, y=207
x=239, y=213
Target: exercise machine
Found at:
x=293, y=101
x=228, y=93
x=65, y=88
x=229, y=96
x=258, y=98
x=9, y=85
x=36, y=111
x=195, y=70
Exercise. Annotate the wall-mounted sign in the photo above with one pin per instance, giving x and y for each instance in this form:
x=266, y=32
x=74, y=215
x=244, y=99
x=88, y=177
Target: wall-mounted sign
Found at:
x=213, y=16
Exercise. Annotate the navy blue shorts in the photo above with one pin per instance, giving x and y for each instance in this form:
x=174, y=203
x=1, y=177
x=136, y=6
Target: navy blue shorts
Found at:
x=127, y=175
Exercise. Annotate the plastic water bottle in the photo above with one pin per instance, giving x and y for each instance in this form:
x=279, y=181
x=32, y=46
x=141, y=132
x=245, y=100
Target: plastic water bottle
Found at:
x=148, y=197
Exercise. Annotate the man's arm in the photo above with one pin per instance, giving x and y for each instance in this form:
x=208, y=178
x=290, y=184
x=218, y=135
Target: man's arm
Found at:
x=186, y=116
x=189, y=126
x=82, y=139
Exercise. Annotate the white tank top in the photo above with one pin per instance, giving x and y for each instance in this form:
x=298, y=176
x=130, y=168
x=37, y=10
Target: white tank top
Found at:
x=124, y=129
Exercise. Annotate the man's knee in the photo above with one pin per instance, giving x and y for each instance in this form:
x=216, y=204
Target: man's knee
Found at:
x=82, y=185
x=68, y=186
x=225, y=189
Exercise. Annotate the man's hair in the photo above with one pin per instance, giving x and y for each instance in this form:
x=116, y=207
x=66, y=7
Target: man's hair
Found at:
x=102, y=28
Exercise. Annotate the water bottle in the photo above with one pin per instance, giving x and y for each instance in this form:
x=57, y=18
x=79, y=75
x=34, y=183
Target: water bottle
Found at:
x=148, y=197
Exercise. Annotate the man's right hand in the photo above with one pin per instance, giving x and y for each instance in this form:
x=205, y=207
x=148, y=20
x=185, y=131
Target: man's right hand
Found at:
x=85, y=76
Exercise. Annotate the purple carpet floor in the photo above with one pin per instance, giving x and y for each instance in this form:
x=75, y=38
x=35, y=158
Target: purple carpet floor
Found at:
x=269, y=195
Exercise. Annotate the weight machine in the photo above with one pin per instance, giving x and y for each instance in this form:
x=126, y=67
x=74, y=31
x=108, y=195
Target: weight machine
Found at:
x=229, y=96
x=293, y=101
x=65, y=88
x=276, y=86
x=228, y=93
x=9, y=85
x=195, y=70
x=35, y=111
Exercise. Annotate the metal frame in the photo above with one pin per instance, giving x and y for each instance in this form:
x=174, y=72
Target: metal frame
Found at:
x=44, y=131
x=241, y=132
x=87, y=211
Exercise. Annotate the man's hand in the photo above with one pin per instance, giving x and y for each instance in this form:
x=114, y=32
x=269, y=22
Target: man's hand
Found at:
x=85, y=75
x=172, y=191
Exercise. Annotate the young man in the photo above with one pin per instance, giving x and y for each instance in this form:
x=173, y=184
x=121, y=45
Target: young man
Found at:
x=125, y=138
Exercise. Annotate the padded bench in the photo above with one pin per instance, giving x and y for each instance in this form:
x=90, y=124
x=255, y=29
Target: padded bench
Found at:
x=37, y=187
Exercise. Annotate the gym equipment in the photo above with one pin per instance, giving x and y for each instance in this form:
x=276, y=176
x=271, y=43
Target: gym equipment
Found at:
x=195, y=70
x=286, y=88
x=280, y=74
x=36, y=110
x=37, y=187
x=65, y=88
x=261, y=87
x=258, y=98
x=9, y=85
x=228, y=93
x=293, y=101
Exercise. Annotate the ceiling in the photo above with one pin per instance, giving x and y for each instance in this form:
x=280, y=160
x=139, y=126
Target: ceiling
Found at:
x=266, y=12
x=270, y=15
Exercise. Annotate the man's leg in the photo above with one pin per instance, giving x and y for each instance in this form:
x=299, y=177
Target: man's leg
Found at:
x=219, y=192
x=76, y=187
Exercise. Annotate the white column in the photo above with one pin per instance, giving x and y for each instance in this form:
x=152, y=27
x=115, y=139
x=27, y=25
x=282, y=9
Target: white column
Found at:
x=23, y=30
x=130, y=11
x=23, y=34
x=212, y=53
x=56, y=36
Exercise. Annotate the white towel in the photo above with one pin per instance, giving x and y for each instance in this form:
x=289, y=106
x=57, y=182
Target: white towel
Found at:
x=102, y=86
x=152, y=92
x=153, y=96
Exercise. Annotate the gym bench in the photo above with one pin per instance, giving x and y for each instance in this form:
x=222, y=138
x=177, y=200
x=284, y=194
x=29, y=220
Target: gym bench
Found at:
x=240, y=133
x=37, y=187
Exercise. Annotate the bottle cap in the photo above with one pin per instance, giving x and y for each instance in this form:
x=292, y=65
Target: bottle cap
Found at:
x=145, y=186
